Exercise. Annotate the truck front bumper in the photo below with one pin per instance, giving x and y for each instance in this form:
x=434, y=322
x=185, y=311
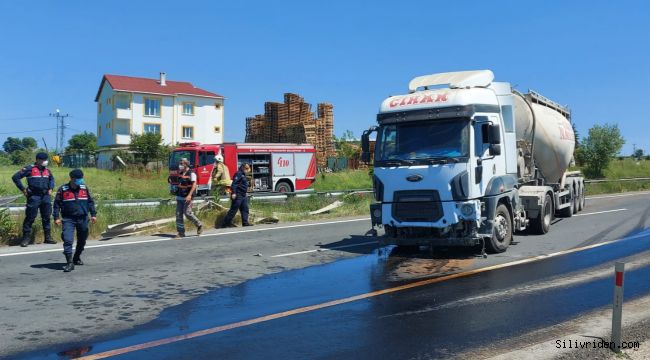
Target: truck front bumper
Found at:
x=458, y=226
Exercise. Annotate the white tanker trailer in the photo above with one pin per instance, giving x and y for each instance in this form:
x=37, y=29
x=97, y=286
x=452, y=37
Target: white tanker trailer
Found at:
x=470, y=163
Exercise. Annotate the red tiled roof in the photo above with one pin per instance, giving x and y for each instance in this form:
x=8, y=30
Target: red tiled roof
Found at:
x=152, y=86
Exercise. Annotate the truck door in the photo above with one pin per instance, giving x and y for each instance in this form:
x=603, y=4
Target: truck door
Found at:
x=510, y=141
x=204, y=169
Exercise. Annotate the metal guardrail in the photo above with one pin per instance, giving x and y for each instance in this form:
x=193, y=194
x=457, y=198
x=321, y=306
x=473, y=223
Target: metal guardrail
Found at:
x=616, y=180
x=270, y=197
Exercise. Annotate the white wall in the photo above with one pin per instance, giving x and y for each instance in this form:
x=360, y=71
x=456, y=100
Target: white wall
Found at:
x=206, y=117
x=105, y=117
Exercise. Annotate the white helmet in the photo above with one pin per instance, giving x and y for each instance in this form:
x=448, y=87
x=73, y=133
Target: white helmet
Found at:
x=218, y=158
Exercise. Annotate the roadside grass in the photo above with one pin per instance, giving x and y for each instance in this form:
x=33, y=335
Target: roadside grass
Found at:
x=343, y=180
x=617, y=187
x=294, y=209
x=103, y=184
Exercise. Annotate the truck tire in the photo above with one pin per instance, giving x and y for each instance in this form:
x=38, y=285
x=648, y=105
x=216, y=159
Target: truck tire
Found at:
x=283, y=187
x=569, y=210
x=576, y=201
x=581, y=203
x=501, y=231
x=542, y=223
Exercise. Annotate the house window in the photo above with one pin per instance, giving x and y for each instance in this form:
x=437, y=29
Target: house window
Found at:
x=217, y=106
x=99, y=108
x=151, y=107
x=188, y=108
x=151, y=128
x=188, y=132
x=217, y=129
x=122, y=101
x=99, y=131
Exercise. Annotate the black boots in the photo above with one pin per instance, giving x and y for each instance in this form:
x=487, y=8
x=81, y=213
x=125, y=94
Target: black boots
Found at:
x=69, y=266
x=25, y=241
x=77, y=259
x=48, y=239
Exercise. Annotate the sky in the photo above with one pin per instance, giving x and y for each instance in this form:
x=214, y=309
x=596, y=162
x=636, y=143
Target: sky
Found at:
x=590, y=55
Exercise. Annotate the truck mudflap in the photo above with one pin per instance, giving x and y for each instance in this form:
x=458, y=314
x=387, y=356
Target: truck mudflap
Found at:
x=464, y=233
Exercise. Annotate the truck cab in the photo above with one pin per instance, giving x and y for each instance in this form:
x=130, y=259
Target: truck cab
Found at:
x=451, y=167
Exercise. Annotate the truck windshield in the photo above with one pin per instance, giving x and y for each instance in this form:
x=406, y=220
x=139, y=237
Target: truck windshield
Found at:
x=423, y=142
x=177, y=155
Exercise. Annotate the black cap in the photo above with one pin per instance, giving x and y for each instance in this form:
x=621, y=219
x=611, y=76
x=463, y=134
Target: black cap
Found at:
x=41, y=156
x=76, y=174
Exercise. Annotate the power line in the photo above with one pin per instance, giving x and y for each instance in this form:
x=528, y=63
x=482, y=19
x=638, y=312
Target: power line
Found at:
x=24, y=118
x=25, y=131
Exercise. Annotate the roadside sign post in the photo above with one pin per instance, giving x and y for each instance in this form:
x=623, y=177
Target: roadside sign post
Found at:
x=617, y=314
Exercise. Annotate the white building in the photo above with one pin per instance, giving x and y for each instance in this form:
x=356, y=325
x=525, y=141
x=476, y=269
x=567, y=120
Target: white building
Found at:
x=177, y=110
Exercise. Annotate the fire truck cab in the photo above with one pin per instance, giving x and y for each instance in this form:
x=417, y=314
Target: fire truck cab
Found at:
x=275, y=167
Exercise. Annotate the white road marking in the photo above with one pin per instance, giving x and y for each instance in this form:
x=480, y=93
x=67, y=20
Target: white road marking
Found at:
x=615, y=196
x=326, y=249
x=600, y=212
x=189, y=237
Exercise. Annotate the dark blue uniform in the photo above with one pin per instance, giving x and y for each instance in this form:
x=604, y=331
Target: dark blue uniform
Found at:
x=240, y=189
x=74, y=206
x=39, y=183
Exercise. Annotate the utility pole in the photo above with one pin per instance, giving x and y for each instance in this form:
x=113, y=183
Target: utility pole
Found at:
x=60, y=129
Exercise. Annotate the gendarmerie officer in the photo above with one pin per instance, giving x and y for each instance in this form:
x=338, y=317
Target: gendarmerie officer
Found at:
x=239, y=197
x=40, y=183
x=74, y=203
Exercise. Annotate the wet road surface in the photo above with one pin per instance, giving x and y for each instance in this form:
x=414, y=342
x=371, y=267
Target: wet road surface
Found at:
x=442, y=317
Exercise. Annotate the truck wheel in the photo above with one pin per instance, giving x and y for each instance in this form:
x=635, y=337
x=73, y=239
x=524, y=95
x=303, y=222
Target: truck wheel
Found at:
x=501, y=231
x=542, y=223
x=283, y=187
x=568, y=211
x=581, y=203
x=576, y=201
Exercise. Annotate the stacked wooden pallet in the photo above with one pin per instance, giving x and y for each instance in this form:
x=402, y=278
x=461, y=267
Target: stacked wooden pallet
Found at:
x=293, y=121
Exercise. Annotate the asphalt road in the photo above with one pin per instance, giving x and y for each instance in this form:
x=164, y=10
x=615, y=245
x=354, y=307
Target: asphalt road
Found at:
x=403, y=305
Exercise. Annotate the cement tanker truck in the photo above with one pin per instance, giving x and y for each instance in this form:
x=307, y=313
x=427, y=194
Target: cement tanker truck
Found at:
x=464, y=160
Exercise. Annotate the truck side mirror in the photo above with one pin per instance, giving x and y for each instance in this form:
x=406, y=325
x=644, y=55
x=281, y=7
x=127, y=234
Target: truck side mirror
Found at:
x=495, y=149
x=365, y=145
x=494, y=134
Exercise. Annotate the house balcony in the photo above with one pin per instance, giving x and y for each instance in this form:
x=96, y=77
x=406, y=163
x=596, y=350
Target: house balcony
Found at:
x=123, y=113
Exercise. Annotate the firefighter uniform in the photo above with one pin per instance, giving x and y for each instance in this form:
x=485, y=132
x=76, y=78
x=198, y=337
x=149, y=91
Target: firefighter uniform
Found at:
x=40, y=183
x=220, y=178
x=73, y=203
x=186, y=181
x=240, y=189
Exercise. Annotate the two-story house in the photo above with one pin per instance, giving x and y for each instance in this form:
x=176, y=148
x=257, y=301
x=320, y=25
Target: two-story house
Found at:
x=176, y=110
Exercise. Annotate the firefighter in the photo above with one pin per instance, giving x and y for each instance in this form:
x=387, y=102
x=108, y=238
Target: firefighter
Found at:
x=220, y=177
x=40, y=183
x=74, y=203
x=239, y=197
x=184, y=193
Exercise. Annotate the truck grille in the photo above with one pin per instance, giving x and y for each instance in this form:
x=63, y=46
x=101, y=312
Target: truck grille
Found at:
x=417, y=206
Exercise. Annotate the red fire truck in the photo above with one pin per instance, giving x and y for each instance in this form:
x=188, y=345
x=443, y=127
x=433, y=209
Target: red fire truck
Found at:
x=276, y=167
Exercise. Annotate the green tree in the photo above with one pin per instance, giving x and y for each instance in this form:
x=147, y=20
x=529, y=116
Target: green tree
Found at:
x=12, y=144
x=22, y=157
x=148, y=147
x=82, y=143
x=346, y=145
x=29, y=143
x=638, y=154
x=600, y=147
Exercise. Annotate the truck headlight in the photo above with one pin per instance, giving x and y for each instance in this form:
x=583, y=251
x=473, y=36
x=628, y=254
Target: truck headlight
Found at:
x=376, y=213
x=467, y=209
